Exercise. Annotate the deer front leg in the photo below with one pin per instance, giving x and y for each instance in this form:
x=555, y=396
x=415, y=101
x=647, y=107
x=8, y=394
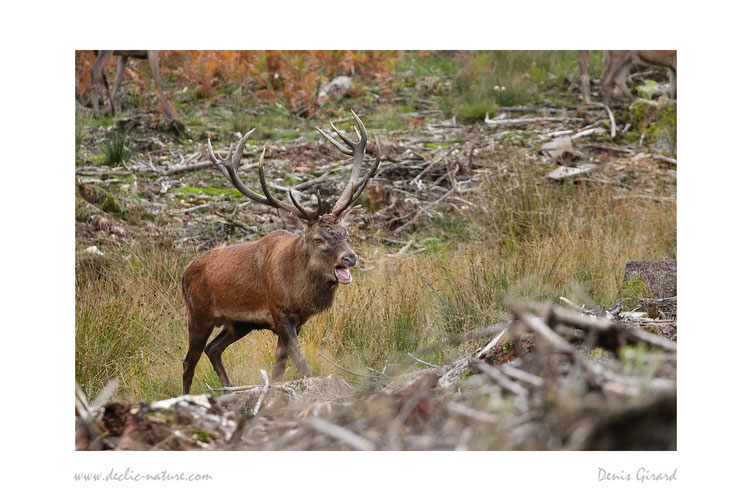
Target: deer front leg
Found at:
x=289, y=345
x=280, y=359
x=583, y=59
x=114, y=99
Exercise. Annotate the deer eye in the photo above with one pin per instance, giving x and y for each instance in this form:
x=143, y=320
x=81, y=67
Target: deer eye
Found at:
x=318, y=240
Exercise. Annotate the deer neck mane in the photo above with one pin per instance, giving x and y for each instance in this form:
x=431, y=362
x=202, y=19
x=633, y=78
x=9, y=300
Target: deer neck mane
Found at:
x=317, y=292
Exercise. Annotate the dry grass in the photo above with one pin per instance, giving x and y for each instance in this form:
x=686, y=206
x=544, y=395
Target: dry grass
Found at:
x=534, y=238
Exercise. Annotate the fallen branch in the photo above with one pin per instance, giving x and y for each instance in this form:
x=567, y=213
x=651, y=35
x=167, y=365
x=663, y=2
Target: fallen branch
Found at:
x=419, y=211
x=432, y=163
x=502, y=380
x=613, y=122
x=464, y=410
x=517, y=121
x=421, y=361
x=263, y=392
x=352, y=439
x=664, y=158
x=609, y=330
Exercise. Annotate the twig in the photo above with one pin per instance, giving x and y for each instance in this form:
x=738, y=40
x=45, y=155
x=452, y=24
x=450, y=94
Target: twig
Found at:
x=433, y=162
x=195, y=207
x=500, y=379
x=404, y=248
x=340, y=367
x=263, y=392
x=526, y=377
x=608, y=148
x=613, y=122
x=491, y=343
x=376, y=371
x=664, y=158
x=187, y=168
x=415, y=218
x=233, y=222
x=352, y=439
x=571, y=303
x=464, y=410
x=235, y=388
x=420, y=361
x=514, y=121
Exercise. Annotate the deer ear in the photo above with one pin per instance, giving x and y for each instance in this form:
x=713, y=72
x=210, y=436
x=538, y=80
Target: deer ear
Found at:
x=292, y=222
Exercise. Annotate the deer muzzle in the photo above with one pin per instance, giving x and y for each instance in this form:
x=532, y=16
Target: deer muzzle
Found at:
x=341, y=271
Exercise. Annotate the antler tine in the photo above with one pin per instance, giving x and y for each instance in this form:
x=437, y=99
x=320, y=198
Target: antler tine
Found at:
x=219, y=164
x=358, y=151
x=296, y=208
x=336, y=143
x=270, y=198
x=343, y=136
x=310, y=216
x=228, y=167
x=360, y=187
x=241, y=146
x=361, y=130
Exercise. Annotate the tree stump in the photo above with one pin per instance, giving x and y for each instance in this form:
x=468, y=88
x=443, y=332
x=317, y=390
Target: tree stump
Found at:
x=649, y=285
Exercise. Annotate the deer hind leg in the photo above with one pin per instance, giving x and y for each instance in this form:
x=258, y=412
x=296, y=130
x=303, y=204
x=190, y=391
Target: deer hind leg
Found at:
x=228, y=335
x=118, y=80
x=621, y=80
x=153, y=57
x=672, y=83
x=197, y=337
x=97, y=70
x=607, y=77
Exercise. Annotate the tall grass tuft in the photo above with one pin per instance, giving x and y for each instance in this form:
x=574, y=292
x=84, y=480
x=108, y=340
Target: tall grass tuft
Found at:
x=116, y=149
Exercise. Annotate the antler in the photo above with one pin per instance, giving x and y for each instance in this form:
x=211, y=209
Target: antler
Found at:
x=228, y=166
x=357, y=150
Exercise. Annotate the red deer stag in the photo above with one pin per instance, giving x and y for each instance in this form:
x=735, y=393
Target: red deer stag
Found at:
x=97, y=73
x=277, y=282
x=616, y=65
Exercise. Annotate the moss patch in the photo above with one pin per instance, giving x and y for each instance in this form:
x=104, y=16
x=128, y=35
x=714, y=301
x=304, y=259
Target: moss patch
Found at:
x=631, y=292
x=184, y=192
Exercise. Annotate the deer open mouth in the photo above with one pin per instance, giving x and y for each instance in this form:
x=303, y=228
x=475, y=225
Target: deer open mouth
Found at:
x=342, y=274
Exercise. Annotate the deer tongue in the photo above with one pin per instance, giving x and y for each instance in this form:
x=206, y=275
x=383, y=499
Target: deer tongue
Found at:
x=343, y=274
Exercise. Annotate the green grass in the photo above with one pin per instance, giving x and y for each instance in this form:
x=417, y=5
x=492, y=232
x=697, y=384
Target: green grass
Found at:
x=433, y=64
x=185, y=192
x=488, y=79
x=116, y=149
x=79, y=136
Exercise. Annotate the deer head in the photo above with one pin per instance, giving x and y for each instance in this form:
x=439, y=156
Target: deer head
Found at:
x=324, y=244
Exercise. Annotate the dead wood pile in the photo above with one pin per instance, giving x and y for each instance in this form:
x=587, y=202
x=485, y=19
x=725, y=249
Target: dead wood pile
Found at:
x=423, y=175
x=551, y=378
